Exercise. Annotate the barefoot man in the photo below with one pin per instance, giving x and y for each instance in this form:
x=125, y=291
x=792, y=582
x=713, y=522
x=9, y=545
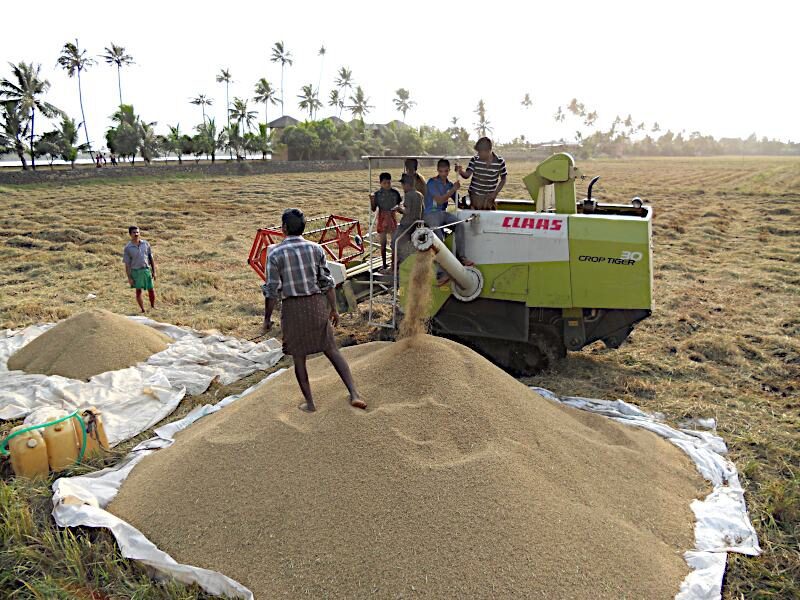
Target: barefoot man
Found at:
x=296, y=269
x=140, y=267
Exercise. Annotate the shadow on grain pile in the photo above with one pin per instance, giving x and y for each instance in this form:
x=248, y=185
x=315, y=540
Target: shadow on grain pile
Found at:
x=458, y=481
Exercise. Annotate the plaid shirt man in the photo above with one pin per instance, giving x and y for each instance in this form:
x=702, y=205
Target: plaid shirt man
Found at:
x=297, y=267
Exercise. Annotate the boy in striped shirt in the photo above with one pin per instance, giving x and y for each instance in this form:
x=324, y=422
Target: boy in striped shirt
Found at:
x=488, y=172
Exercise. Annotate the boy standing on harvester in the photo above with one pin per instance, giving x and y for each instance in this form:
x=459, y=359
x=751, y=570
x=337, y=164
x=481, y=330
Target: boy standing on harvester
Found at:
x=140, y=267
x=488, y=172
x=412, y=210
x=386, y=201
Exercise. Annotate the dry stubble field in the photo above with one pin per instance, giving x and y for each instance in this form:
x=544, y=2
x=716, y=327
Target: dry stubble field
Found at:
x=722, y=343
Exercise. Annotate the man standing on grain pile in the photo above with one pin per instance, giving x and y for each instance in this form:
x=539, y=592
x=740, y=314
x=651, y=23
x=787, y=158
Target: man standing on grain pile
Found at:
x=140, y=267
x=297, y=270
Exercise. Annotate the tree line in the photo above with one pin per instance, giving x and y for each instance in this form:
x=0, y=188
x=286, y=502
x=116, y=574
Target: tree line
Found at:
x=22, y=99
x=630, y=137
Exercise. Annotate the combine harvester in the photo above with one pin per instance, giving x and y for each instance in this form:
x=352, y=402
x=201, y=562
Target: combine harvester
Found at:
x=551, y=274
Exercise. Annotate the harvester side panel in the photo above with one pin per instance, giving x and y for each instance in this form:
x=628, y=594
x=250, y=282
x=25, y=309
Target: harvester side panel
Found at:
x=523, y=256
x=610, y=261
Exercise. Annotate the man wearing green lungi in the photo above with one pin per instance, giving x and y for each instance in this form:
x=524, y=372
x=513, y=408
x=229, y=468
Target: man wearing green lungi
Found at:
x=140, y=266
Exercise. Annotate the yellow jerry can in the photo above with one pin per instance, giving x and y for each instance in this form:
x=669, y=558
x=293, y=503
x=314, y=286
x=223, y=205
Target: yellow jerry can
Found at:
x=28, y=453
x=62, y=444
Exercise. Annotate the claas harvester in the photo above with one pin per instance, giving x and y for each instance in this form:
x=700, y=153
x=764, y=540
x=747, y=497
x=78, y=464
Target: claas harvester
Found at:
x=551, y=273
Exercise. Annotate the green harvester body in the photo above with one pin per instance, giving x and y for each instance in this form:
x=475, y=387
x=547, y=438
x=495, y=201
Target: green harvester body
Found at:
x=557, y=274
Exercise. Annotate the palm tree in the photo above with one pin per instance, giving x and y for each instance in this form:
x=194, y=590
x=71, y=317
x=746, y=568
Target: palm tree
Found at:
x=232, y=140
x=321, y=53
x=174, y=141
x=74, y=60
x=483, y=126
x=239, y=113
x=207, y=140
x=344, y=82
x=115, y=55
x=126, y=138
x=576, y=108
x=309, y=100
x=336, y=100
x=526, y=101
x=359, y=106
x=225, y=77
x=559, y=116
x=265, y=93
x=148, y=141
x=403, y=102
x=26, y=91
x=62, y=142
x=202, y=100
x=13, y=129
x=261, y=142
x=281, y=55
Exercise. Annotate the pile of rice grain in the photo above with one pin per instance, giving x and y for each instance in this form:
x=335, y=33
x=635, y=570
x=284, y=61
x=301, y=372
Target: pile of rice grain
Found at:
x=458, y=481
x=87, y=344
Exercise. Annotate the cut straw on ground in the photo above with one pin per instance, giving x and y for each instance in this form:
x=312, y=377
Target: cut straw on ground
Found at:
x=726, y=253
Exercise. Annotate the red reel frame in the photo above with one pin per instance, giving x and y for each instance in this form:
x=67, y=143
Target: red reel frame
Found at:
x=340, y=237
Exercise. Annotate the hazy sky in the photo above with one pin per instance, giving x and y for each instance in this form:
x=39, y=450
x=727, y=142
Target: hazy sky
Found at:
x=724, y=68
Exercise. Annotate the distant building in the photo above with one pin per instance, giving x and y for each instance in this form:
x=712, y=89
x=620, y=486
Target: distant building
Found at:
x=282, y=122
x=398, y=124
x=277, y=126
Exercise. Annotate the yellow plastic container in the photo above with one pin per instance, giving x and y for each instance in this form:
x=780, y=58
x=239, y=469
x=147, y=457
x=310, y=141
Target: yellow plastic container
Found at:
x=62, y=445
x=96, y=439
x=28, y=454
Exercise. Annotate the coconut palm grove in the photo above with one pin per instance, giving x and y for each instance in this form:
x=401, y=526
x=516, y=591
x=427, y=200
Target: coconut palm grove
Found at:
x=32, y=128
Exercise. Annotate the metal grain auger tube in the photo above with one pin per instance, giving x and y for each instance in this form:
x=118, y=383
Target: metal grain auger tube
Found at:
x=467, y=281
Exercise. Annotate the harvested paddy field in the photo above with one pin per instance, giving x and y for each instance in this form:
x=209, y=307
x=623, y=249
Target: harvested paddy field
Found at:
x=723, y=341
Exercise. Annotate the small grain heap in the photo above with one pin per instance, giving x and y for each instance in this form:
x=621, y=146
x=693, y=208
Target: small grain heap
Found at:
x=458, y=482
x=87, y=344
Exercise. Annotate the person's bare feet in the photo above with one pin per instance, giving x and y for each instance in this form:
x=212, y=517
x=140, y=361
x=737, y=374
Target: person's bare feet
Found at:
x=306, y=407
x=358, y=403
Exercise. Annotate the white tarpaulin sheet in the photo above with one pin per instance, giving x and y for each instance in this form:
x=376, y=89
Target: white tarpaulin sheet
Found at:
x=722, y=524
x=133, y=399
